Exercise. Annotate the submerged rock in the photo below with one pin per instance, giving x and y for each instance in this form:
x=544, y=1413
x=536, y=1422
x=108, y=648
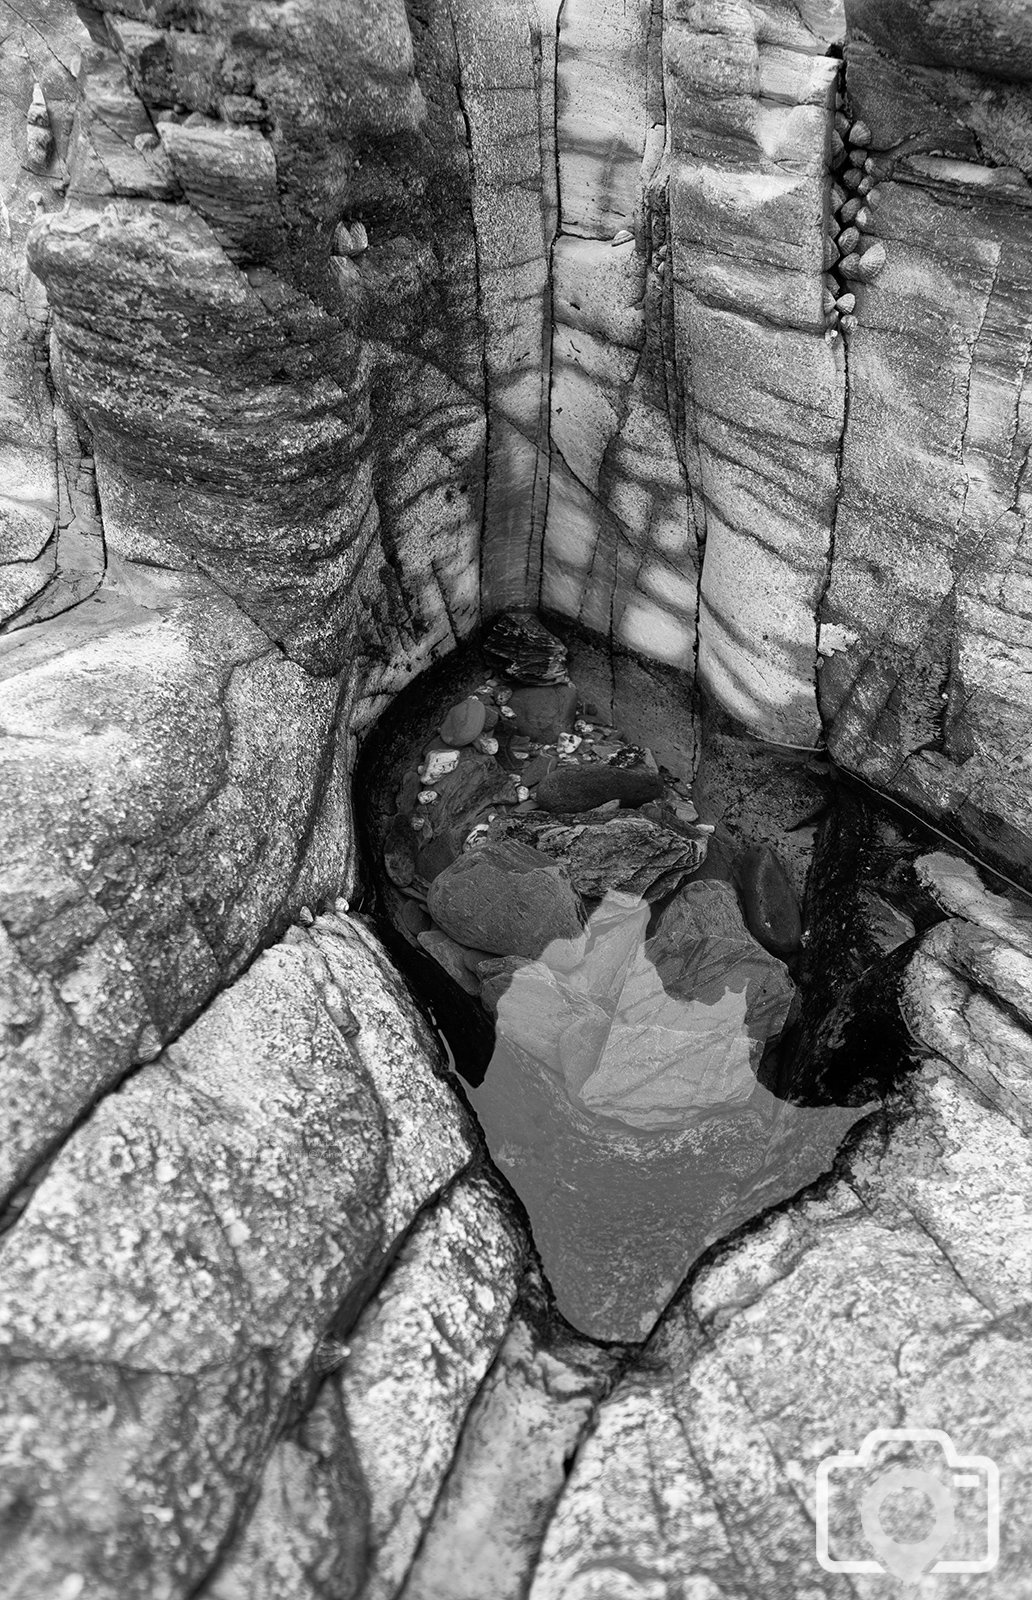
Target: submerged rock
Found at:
x=623, y=1104
x=580, y=787
x=545, y=712
x=506, y=898
x=627, y=852
x=771, y=908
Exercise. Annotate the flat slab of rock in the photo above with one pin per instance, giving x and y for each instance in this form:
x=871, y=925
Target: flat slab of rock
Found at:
x=524, y=649
x=628, y=853
x=505, y=898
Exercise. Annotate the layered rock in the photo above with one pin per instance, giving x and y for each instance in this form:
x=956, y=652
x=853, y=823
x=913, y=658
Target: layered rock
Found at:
x=167, y=1289
x=213, y=178
x=925, y=619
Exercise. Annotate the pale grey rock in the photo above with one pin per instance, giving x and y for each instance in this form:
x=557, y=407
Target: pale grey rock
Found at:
x=172, y=1276
x=527, y=1420
x=416, y=1360
x=171, y=789
x=620, y=549
x=306, y=1536
x=749, y=95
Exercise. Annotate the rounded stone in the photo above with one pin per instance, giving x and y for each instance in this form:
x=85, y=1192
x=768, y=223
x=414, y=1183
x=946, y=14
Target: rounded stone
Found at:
x=506, y=898
x=464, y=722
x=768, y=900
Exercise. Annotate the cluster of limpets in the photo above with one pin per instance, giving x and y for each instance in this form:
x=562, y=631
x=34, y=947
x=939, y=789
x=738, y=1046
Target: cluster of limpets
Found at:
x=851, y=256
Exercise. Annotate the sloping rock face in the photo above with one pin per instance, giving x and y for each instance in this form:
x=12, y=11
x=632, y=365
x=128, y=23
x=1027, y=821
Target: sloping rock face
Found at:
x=169, y=1287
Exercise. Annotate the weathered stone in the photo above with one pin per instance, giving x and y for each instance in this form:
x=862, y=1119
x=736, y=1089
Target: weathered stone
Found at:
x=699, y=1473
x=524, y=649
x=190, y=1245
x=416, y=1360
x=545, y=712
x=171, y=787
x=583, y=786
x=512, y=1459
x=506, y=898
x=628, y=853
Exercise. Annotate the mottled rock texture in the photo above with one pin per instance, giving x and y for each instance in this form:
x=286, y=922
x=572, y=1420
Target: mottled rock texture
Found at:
x=167, y=1287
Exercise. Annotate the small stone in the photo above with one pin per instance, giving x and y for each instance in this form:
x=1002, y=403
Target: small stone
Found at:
x=487, y=744
x=438, y=764
x=194, y=120
x=146, y=141
x=567, y=743
x=852, y=178
x=507, y=712
x=848, y=240
x=464, y=722
x=522, y=792
x=426, y=797
x=305, y=916
x=537, y=768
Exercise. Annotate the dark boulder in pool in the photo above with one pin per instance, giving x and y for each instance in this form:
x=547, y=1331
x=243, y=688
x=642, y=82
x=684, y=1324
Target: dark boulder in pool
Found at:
x=582, y=786
x=506, y=898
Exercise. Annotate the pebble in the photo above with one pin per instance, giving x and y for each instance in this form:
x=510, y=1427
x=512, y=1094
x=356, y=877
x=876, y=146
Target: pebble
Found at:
x=567, y=743
x=438, y=764
x=505, y=898
x=426, y=797
x=464, y=722
x=487, y=744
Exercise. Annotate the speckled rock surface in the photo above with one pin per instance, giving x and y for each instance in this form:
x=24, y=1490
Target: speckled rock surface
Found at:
x=167, y=1286
x=512, y=1458
x=172, y=789
x=416, y=1361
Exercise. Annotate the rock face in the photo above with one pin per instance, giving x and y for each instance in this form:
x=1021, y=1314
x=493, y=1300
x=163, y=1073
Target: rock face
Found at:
x=171, y=792
x=175, y=1271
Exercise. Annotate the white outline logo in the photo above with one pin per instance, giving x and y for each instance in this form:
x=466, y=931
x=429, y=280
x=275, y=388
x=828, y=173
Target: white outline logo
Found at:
x=908, y=1560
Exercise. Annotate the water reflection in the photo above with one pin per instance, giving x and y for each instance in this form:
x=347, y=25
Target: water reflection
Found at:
x=622, y=1100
